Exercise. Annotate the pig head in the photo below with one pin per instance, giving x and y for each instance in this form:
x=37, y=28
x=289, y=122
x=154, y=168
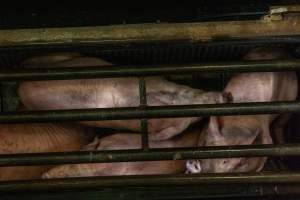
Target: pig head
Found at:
x=233, y=130
x=246, y=129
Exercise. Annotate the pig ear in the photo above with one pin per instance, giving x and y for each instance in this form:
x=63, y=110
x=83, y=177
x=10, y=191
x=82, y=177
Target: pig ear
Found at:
x=243, y=135
x=252, y=136
x=210, y=135
x=240, y=130
x=213, y=125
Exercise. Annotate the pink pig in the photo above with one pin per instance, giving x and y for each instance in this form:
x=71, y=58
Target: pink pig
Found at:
x=247, y=129
x=111, y=93
x=128, y=141
x=37, y=138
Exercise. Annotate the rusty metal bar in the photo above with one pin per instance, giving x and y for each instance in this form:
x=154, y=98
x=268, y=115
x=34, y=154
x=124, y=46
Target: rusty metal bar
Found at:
x=150, y=112
x=150, y=155
x=153, y=180
x=9, y=74
x=194, y=32
x=144, y=121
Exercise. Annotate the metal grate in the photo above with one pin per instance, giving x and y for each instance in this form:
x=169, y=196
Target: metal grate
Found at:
x=143, y=112
x=239, y=184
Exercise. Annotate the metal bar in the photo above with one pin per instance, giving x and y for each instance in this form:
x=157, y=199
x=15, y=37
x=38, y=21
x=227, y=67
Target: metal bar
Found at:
x=151, y=112
x=142, y=90
x=153, y=180
x=144, y=122
x=150, y=155
x=163, y=192
x=144, y=134
x=128, y=71
x=194, y=32
x=145, y=193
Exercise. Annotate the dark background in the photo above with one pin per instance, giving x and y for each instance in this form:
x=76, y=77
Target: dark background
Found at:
x=29, y=14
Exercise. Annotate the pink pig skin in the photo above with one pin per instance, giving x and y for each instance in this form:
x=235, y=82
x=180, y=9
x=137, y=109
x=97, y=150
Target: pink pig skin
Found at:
x=111, y=93
x=249, y=129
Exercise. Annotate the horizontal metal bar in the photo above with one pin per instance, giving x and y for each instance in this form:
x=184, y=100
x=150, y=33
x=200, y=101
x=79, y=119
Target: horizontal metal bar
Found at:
x=163, y=192
x=194, y=32
x=117, y=45
x=150, y=112
x=153, y=180
x=128, y=71
x=145, y=193
x=151, y=154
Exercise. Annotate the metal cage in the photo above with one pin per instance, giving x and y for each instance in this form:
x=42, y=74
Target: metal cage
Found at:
x=157, y=44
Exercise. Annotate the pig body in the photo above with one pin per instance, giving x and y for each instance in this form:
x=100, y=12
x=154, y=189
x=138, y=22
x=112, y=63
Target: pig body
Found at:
x=111, y=93
x=128, y=141
x=37, y=138
x=247, y=129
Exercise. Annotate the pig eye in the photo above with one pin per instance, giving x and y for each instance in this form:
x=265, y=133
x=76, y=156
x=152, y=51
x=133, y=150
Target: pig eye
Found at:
x=224, y=161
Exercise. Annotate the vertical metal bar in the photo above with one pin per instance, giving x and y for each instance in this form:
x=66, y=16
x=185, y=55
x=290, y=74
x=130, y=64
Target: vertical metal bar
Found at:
x=1, y=96
x=144, y=121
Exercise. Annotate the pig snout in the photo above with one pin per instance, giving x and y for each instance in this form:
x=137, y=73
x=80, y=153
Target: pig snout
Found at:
x=193, y=167
x=217, y=165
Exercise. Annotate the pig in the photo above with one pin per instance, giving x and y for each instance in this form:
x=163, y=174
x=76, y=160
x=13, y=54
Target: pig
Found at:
x=37, y=138
x=247, y=129
x=111, y=93
x=121, y=141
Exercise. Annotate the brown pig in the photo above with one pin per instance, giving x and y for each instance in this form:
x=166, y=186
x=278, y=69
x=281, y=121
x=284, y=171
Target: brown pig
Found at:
x=37, y=138
x=111, y=93
x=247, y=129
x=128, y=141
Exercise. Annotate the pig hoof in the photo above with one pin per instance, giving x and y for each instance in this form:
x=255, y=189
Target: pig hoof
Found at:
x=193, y=166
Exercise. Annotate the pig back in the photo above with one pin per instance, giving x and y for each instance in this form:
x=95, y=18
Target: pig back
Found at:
x=111, y=93
x=37, y=138
x=263, y=87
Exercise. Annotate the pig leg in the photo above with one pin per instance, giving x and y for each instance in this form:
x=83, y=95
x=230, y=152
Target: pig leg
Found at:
x=93, y=169
x=170, y=126
x=77, y=170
